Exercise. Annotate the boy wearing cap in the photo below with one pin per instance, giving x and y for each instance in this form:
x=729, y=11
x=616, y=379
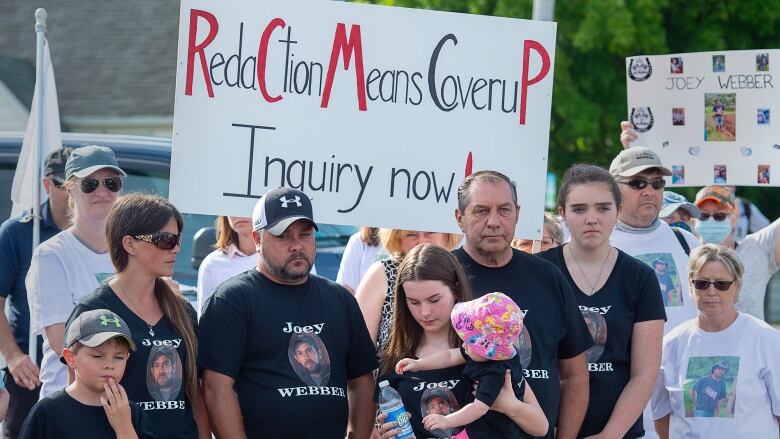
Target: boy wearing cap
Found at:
x=257, y=376
x=759, y=252
x=678, y=212
x=97, y=345
x=21, y=378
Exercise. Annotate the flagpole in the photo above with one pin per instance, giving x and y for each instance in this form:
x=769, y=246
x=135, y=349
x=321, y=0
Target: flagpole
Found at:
x=40, y=75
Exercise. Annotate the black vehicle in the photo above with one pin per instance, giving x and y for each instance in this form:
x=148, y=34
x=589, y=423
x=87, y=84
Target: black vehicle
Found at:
x=147, y=161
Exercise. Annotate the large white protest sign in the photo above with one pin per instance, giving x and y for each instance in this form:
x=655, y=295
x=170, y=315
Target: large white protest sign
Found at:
x=709, y=115
x=376, y=113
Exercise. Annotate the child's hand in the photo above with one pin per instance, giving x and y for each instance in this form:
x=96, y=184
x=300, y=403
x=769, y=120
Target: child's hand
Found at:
x=436, y=422
x=406, y=365
x=117, y=408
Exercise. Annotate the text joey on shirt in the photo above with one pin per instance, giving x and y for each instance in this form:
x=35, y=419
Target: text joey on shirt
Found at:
x=603, y=310
x=442, y=384
x=173, y=343
x=312, y=329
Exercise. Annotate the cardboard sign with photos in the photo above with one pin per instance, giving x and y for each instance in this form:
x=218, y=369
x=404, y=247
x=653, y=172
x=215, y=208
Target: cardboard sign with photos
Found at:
x=709, y=115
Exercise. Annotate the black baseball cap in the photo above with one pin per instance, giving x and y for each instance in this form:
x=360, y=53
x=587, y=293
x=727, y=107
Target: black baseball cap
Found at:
x=54, y=165
x=279, y=208
x=95, y=327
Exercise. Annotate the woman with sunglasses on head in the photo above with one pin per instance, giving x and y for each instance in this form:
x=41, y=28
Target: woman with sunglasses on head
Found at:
x=143, y=233
x=620, y=300
x=74, y=262
x=759, y=252
x=722, y=364
x=234, y=254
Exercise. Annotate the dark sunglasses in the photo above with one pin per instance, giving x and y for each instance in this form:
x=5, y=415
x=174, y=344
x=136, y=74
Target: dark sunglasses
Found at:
x=719, y=216
x=57, y=182
x=720, y=285
x=641, y=183
x=161, y=240
x=90, y=184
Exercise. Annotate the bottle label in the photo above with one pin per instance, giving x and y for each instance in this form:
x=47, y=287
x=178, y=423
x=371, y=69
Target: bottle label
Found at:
x=400, y=416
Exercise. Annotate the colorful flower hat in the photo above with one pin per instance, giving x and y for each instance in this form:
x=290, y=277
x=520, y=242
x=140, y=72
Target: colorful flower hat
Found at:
x=489, y=325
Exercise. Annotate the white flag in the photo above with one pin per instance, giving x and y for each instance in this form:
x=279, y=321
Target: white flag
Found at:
x=23, y=185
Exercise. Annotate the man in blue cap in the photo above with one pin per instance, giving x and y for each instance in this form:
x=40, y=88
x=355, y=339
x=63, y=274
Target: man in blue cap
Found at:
x=22, y=373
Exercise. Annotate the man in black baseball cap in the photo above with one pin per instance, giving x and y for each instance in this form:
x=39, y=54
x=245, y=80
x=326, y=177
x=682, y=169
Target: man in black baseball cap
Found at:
x=22, y=373
x=251, y=323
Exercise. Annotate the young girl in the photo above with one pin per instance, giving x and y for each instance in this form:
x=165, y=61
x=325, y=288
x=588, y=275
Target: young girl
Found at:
x=489, y=327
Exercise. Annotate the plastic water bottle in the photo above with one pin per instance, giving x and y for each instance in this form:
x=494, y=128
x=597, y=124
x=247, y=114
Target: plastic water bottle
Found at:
x=391, y=405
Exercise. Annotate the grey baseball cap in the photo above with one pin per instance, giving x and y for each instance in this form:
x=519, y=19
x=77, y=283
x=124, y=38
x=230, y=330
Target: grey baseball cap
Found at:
x=95, y=327
x=279, y=208
x=91, y=158
x=634, y=160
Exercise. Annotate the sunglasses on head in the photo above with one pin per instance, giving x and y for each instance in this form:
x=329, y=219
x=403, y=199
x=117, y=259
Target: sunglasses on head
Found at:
x=718, y=216
x=161, y=240
x=720, y=285
x=641, y=183
x=90, y=184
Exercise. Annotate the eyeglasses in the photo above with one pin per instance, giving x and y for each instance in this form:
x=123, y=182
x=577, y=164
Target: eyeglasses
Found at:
x=58, y=182
x=720, y=285
x=718, y=216
x=641, y=183
x=161, y=240
x=90, y=184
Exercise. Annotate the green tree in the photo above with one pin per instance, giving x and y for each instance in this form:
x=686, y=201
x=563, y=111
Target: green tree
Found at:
x=594, y=38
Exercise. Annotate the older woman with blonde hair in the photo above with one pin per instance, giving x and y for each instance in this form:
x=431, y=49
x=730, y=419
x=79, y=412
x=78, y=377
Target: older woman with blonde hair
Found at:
x=376, y=289
x=706, y=359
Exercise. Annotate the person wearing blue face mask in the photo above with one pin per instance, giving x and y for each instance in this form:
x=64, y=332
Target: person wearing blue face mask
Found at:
x=759, y=252
x=678, y=212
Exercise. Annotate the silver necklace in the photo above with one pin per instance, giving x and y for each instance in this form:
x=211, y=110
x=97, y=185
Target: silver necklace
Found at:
x=135, y=310
x=603, y=264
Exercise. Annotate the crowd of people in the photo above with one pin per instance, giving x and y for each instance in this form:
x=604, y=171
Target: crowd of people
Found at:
x=629, y=321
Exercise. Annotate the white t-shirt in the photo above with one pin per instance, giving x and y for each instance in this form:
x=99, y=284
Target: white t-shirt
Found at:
x=757, y=219
x=219, y=266
x=757, y=253
x=648, y=247
x=358, y=256
x=62, y=271
x=746, y=398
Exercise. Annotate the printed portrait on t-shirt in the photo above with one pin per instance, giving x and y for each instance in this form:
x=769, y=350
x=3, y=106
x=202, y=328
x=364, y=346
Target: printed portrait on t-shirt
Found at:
x=309, y=358
x=597, y=326
x=523, y=347
x=103, y=278
x=164, y=373
x=439, y=401
x=711, y=387
x=668, y=277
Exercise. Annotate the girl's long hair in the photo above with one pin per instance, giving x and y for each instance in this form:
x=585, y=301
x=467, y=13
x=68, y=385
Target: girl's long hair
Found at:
x=139, y=214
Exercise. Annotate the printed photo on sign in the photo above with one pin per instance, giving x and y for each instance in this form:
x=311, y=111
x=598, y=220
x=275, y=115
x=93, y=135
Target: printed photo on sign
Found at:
x=762, y=62
x=711, y=387
x=598, y=330
x=668, y=277
x=678, y=116
x=762, y=117
x=523, y=347
x=676, y=65
x=163, y=376
x=678, y=174
x=718, y=63
x=439, y=401
x=763, y=174
x=720, y=117
x=309, y=358
x=719, y=175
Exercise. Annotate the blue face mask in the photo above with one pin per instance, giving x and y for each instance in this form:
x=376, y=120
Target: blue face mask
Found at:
x=682, y=225
x=713, y=232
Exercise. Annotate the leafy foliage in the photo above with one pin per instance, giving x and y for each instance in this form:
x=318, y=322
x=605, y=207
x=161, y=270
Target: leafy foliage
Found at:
x=595, y=37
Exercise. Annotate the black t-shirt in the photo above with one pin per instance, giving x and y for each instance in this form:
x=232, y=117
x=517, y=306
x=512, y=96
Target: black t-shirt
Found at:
x=62, y=417
x=630, y=295
x=490, y=375
x=553, y=327
x=155, y=375
x=441, y=391
x=290, y=350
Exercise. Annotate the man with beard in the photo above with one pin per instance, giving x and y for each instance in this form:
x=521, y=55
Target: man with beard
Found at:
x=307, y=355
x=165, y=386
x=250, y=385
